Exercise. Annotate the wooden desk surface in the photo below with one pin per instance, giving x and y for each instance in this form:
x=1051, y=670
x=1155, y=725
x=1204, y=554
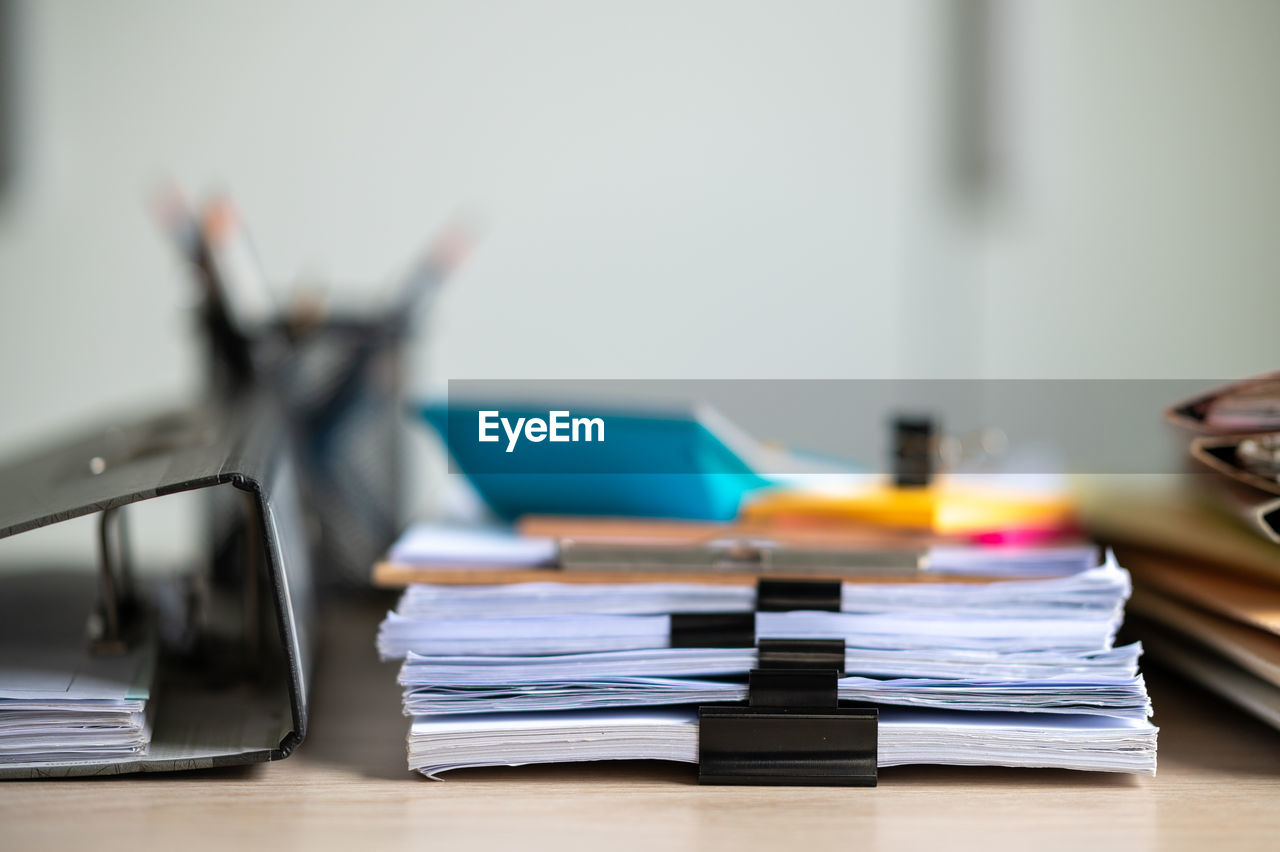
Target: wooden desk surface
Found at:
x=347, y=787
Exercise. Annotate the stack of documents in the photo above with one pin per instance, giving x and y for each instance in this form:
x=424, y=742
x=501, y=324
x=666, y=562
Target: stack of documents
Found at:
x=59, y=702
x=1079, y=612
x=59, y=706
x=1205, y=554
x=1008, y=672
x=1097, y=743
x=1207, y=601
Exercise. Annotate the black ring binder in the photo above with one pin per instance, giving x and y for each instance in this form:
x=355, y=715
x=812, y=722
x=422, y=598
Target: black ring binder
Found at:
x=242, y=695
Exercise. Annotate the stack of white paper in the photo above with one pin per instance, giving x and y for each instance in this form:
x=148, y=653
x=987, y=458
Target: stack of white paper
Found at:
x=60, y=704
x=1096, y=743
x=1080, y=612
x=1017, y=673
x=58, y=701
x=1121, y=698
x=1111, y=664
x=570, y=634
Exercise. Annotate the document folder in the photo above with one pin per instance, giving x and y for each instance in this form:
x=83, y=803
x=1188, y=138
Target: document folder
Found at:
x=238, y=692
x=1248, y=493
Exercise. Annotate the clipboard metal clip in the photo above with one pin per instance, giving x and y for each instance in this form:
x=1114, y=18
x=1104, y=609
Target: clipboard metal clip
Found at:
x=752, y=556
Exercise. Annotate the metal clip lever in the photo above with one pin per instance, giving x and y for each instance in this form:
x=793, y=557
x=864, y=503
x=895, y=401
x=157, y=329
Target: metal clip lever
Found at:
x=114, y=621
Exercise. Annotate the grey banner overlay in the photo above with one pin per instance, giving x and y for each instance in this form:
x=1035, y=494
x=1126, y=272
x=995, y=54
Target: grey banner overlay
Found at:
x=1051, y=426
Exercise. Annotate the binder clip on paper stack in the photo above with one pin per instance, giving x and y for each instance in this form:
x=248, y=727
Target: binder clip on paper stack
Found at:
x=812, y=640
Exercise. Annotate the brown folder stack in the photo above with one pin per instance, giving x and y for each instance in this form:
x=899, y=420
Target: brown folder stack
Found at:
x=1206, y=560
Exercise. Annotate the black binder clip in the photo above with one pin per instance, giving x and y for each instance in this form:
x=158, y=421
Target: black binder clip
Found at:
x=914, y=451
x=792, y=731
x=786, y=595
x=801, y=654
x=713, y=630
x=738, y=629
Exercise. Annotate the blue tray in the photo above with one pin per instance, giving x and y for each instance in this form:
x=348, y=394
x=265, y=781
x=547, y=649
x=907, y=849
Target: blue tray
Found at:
x=669, y=464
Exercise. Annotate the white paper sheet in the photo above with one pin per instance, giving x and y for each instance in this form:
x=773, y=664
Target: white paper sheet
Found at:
x=441, y=544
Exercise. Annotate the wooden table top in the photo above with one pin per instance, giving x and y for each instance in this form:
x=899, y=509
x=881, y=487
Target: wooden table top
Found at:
x=347, y=787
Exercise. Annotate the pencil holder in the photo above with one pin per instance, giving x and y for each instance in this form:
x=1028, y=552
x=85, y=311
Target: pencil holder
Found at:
x=340, y=384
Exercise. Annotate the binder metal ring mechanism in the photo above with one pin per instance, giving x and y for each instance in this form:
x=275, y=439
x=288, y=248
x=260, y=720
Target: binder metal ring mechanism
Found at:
x=792, y=730
x=237, y=692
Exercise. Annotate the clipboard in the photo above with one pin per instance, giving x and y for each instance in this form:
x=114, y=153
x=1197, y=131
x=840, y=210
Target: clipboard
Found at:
x=239, y=695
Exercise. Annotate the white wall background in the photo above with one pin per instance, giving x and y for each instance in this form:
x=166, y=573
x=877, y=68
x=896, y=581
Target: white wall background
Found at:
x=702, y=188
x=1150, y=248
